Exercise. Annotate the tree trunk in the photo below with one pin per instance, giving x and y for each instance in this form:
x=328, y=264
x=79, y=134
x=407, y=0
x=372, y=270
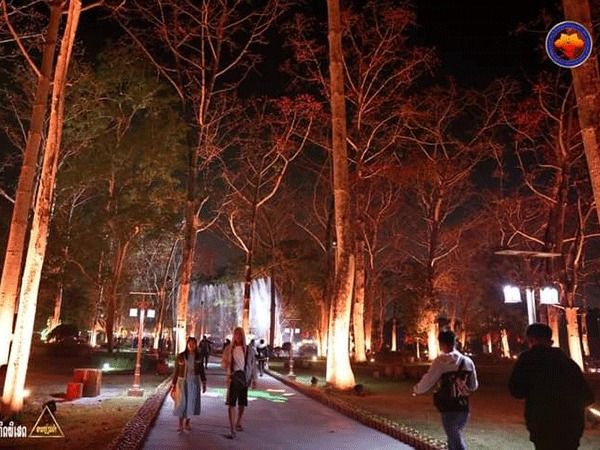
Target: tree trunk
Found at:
x=573, y=336
x=380, y=322
x=249, y=256
x=505, y=346
x=11, y=271
x=339, y=372
x=324, y=326
x=358, y=311
x=586, y=81
x=432, y=334
x=247, y=288
x=61, y=280
x=189, y=246
x=584, y=334
x=553, y=323
x=38, y=240
x=113, y=296
x=488, y=338
x=273, y=308
x=394, y=346
x=369, y=317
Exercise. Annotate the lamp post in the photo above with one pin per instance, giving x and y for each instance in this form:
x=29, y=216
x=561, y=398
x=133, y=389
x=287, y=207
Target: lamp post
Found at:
x=140, y=311
x=547, y=297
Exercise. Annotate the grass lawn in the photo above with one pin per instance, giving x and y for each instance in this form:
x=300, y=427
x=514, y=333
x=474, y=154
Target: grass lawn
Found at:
x=87, y=423
x=496, y=422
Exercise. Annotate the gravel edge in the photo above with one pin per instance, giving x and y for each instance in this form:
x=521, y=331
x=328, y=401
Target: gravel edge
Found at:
x=404, y=434
x=134, y=432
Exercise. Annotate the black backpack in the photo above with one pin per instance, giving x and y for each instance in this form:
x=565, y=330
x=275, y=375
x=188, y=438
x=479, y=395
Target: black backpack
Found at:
x=453, y=391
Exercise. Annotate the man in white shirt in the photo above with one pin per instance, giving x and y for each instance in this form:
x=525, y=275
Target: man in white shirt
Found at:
x=452, y=370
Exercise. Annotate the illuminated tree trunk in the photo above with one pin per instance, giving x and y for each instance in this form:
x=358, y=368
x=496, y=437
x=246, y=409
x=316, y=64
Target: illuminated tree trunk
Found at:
x=358, y=311
x=505, y=345
x=394, y=346
x=11, y=271
x=273, y=308
x=189, y=246
x=488, y=338
x=339, y=373
x=586, y=81
x=36, y=251
x=369, y=318
x=553, y=318
x=432, y=340
x=573, y=336
x=432, y=335
x=324, y=326
x=380, y=321
x=584, y=334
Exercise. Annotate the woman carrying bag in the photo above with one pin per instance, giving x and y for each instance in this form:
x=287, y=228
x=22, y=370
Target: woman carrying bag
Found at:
x=185, y=390
x=239, y=362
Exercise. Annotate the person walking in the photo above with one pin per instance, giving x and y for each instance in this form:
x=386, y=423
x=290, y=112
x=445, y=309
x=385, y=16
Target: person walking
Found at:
x=555, y=392
x=187, y=378
x=262, y=354
x=205, y=351
x=455, y=376
x=239, y=362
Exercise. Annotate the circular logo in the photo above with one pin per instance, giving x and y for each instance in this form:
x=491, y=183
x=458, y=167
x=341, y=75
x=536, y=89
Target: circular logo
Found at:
x=569, y=44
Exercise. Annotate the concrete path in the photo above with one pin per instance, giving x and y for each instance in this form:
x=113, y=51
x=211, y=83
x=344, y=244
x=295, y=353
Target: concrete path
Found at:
x=277, y=418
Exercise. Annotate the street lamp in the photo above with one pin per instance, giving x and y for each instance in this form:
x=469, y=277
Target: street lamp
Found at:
x=140, y=311
x=548, y=296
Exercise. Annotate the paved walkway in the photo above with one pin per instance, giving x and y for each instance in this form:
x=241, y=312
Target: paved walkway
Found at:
x=277, y=418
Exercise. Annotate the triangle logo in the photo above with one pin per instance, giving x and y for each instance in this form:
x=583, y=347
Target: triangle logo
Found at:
x=46, y=426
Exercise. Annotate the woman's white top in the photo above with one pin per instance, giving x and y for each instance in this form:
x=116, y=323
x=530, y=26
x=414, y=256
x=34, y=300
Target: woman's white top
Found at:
x=238, y=358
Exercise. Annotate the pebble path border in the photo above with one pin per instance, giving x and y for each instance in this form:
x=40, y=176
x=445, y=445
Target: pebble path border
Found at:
x=403, y=433
x=134, y=433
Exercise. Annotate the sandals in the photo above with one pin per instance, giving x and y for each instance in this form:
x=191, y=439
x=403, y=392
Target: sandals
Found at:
x=239, y=428
x=230, y=435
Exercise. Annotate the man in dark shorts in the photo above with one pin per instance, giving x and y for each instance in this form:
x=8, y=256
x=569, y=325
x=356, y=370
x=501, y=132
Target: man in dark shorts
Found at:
x=239, y=362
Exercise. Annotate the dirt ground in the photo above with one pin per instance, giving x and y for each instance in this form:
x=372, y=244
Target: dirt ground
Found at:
x=87, y=423
x=496, y=418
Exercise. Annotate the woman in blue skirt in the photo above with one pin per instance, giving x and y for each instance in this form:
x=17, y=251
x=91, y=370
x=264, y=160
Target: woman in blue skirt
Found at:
x=185, y=390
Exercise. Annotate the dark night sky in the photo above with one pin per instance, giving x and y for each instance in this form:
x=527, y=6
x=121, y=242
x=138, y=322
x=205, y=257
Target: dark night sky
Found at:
x=476, y=40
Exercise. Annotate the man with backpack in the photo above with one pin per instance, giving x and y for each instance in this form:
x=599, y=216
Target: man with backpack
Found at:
x=455, y=377
x=555, y=392
x=262, y=355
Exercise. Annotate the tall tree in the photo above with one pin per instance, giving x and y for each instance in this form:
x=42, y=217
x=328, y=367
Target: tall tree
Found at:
x=267, y=148
x=554, y=199
x=205, y=50
x=19, y=356
x=339, y=373
x=436, y=173
x=11, y=270
x=140, y=133
x=586, y=83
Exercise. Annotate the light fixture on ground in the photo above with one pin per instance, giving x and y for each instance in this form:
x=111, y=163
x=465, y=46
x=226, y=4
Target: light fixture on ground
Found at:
x=140, y=311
